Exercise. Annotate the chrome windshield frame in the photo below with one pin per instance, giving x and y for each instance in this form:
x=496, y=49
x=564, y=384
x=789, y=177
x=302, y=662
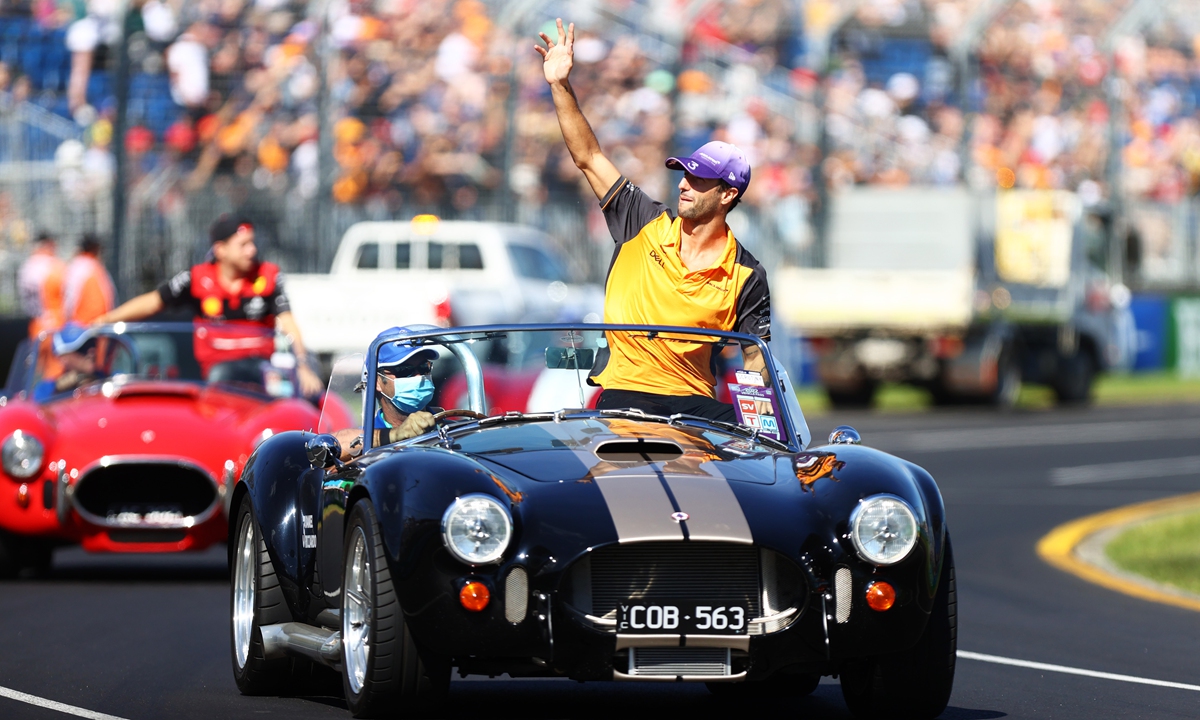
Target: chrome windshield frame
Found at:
x=797, y=435
x=120, y=331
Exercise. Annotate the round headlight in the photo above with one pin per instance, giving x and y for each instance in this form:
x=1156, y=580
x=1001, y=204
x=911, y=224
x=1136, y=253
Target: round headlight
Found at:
x=22, y=455
x=883, y=529
x=476, y=529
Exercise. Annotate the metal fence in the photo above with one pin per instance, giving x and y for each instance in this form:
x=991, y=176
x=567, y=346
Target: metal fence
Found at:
x=53, y=178
x=168, y=227
x=1163, y=245
x=49, y=182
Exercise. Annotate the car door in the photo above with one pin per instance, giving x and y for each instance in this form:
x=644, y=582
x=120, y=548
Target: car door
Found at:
x=331, y=530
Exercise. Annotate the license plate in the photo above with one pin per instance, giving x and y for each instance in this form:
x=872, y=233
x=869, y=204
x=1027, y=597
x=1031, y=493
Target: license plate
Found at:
x=681, y=618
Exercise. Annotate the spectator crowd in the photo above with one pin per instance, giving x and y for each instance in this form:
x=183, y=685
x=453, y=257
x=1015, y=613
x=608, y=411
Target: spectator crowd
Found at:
x=396, y=107
x=416, y=91
x=1040, y=103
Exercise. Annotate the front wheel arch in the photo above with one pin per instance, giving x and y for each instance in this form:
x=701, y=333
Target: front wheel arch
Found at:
x=357, y=494
x=917, y=682
x=239, y=491
x=408, y=679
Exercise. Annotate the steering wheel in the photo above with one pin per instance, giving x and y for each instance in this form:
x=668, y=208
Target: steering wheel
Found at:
x=460, y=412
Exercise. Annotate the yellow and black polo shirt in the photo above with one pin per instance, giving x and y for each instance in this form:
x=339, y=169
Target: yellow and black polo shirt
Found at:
x=648, y=284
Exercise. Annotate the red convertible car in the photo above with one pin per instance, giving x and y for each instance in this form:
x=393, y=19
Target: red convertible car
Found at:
x=132, y=442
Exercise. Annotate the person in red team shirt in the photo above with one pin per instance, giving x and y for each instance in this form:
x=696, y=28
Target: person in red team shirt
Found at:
x=233, y=286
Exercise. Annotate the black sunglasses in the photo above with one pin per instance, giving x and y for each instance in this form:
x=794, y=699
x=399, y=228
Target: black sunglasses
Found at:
x=404, y=371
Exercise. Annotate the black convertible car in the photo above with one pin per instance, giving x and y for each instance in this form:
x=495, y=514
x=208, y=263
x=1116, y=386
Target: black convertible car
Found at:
x=562, y=541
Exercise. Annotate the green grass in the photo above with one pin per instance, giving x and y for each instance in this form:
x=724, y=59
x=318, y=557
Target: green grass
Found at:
x=1165, y=550
x=1159, y=387
x=1132, y=389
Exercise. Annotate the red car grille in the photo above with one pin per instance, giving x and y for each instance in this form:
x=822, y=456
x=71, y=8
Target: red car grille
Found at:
x=146, y=495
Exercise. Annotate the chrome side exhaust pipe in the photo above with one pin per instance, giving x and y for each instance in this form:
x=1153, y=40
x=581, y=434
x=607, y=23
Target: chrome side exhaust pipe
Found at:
x=319, y=644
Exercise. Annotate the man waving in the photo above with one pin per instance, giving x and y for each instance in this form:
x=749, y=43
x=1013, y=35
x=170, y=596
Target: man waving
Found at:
x=666, y=270
x=234, y=286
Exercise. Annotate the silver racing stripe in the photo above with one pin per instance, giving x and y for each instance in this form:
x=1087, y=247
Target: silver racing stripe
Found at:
x=639, y=507
x=640, y=502
x=714, y=512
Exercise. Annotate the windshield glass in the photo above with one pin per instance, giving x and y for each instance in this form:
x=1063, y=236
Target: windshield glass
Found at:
x=343, y=403
x=549, y=369
x=240, y=356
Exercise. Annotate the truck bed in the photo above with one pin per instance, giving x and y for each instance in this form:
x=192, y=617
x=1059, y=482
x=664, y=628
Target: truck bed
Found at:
x=821, y=301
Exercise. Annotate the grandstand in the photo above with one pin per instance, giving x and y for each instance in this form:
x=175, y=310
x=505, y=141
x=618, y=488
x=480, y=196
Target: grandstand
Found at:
x=311, y=116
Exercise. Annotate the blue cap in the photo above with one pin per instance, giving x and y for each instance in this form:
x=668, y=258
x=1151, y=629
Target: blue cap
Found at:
x=71, y=338
x=395, y=353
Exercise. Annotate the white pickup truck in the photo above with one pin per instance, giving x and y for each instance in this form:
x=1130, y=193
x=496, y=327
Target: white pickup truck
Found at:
x=438, y=272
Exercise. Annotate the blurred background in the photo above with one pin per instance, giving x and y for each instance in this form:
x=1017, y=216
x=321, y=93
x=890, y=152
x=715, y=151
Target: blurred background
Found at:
x=955, y=195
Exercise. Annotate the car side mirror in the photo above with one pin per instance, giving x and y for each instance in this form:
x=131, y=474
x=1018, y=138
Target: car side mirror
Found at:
x=323, y=450
x=570, y=358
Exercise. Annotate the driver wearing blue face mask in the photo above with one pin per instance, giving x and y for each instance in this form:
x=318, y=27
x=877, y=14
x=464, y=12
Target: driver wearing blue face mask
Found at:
x=403, y=389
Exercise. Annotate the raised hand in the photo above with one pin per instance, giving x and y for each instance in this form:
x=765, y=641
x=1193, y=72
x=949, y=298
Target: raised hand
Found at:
x=558, y=56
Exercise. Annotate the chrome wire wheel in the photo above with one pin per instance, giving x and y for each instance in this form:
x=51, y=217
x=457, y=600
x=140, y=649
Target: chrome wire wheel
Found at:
x=356, y=612
x=243, y=592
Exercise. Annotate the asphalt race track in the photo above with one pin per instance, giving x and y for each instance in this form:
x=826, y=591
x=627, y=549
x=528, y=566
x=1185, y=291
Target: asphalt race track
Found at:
x=136, y=637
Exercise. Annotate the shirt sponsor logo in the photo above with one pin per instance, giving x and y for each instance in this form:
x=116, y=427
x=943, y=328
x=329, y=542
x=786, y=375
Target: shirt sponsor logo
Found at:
x=658, y=259
x=180, y=282
x=211, y=306
x=255, y=308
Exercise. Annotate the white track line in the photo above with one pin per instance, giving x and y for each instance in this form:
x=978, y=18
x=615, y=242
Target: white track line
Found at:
x=1074, y=671
x=1135, y=470
x=52, y=705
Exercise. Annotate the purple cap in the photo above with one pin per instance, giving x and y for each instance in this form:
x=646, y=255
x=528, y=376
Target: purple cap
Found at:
x=716, y=160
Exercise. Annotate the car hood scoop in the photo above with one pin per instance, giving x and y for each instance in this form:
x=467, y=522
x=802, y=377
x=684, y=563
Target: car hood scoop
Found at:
x=136, y=389
x=583, y=450
x=639, y=449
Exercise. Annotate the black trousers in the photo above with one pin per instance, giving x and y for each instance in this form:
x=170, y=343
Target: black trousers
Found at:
x=668, y=405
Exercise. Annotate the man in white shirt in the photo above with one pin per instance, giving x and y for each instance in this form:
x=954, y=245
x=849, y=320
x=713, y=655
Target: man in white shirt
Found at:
x=187, y=63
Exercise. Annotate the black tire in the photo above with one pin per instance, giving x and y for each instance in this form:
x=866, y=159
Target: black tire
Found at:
x=257, y=675
x=858, y=398
x=397, y=679
x=38, y=558
x=1073, y=383
x=8, y=557
x=778, y=686
x=1008, y=379
x=915, y=683
x=1004, y=396
x=24, y=556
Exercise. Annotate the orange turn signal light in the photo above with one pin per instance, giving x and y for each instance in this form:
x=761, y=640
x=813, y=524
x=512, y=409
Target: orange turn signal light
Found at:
x=474, y=596
x=881, y=596
x=23, y=496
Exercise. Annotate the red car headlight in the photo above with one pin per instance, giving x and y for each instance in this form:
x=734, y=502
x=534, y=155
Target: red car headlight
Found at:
x=22, y=455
